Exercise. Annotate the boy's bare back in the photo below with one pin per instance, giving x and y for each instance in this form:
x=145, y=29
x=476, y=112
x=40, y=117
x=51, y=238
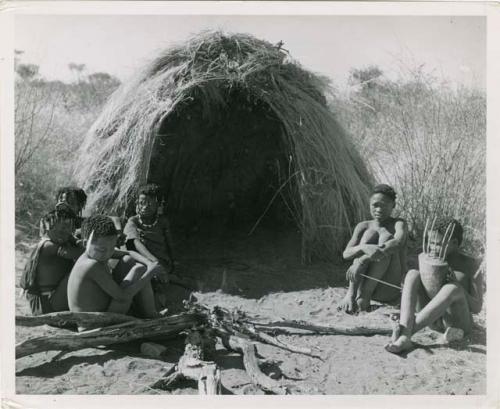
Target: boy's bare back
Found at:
x=84, y=293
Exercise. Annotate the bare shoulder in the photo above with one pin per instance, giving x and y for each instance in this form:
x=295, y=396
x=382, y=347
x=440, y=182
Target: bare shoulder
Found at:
x=465, y=263
x=86, y=266
x=362, y=226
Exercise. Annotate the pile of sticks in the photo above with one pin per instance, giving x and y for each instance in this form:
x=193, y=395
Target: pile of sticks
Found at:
x=202, y=326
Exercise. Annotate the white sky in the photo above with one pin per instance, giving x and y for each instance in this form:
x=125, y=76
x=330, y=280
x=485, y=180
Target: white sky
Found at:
x=452, y=48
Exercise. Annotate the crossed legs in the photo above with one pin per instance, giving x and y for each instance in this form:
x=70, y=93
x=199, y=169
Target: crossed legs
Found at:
x=450, y=304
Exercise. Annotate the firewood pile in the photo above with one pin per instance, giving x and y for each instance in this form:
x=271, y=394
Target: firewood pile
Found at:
x=202, y=326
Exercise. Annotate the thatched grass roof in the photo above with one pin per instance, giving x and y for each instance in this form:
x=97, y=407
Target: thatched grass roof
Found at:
x=330, y=176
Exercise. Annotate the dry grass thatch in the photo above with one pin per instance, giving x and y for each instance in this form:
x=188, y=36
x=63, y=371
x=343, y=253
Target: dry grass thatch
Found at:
x=332, y=181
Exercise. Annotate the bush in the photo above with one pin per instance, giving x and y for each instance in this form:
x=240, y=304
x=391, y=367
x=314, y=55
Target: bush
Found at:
x=428, y=140
x=51, y=118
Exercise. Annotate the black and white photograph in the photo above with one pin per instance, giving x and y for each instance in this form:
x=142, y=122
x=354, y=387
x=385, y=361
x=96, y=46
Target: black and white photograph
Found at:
x=238, y=203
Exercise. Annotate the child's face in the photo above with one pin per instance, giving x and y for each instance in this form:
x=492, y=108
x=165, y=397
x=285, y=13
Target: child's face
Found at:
x=61, y=231
x=381, y=206
x=147, y=206
x=436, y=244
x=70, y=200
x=101, y=248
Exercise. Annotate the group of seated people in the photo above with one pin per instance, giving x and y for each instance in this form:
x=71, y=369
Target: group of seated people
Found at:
x=71, y=269
x=78, y=265
x=378, y=251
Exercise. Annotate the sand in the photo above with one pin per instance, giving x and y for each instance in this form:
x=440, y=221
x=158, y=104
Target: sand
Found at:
x=267, y=285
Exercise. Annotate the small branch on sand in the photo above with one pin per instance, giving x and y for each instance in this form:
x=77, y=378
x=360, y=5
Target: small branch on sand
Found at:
x=316, y=329
x=82, y=319
x=251, y=363
x=116, y=334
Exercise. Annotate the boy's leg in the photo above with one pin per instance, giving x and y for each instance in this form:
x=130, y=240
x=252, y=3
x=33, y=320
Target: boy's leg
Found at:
x=401, y=338
x=446, y=300
x=388, y=269
x=126, y=272
x=449, y=297
x=348, y=303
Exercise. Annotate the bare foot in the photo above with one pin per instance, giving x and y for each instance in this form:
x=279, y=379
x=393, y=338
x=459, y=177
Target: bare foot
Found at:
x=452, y=334
x=403, y=343
x=363, y=304
x=348, y=304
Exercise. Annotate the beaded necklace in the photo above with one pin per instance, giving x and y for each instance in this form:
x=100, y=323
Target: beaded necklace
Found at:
x=149, y=225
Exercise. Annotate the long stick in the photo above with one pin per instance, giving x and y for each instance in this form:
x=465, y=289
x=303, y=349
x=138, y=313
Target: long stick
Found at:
x=429, y=239
x=425, y=234
x=271, y=202
x=444, y=239
x=449, y=239
x=382, y=281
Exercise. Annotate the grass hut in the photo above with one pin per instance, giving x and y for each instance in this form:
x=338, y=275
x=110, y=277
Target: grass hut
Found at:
x=236, y=133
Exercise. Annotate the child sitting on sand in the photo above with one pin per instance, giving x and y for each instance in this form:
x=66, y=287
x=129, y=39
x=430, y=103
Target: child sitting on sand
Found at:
x=450, y=310
x=93, y=287
x=46, y=273
x=378, y=250
x=148, y=233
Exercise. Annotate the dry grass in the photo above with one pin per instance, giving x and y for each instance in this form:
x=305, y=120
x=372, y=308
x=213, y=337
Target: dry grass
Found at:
x=332, y=180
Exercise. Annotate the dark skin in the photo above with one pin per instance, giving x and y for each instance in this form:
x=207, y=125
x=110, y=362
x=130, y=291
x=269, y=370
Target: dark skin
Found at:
x=57, y=257
x=377, y=249
x=453, y=305
x=91, y=286
x=147, y=209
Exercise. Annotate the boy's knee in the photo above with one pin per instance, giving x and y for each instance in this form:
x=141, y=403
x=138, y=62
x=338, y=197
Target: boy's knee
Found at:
x=454, y=290
x=127, y=260
x=412, y=275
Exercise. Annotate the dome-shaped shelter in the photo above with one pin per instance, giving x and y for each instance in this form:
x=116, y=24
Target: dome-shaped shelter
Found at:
x=234, y=131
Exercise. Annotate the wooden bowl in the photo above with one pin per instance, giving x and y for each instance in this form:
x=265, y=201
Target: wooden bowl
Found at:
x=433, y=273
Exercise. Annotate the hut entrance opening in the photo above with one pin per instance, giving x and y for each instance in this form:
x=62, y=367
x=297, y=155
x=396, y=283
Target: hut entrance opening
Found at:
x=225, y=168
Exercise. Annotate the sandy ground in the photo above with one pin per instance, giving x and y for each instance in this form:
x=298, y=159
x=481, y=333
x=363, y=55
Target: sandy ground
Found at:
x=258, y=282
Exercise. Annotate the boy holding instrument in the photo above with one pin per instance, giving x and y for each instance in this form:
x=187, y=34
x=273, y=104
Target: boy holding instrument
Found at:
x=378, y=252
x=452, y=301
x=93, y=287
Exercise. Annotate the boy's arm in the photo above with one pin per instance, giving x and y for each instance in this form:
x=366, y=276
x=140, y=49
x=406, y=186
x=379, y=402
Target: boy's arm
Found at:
x=399, y=239
x=134, y=254
x=133, y=236
x=354, y=249
x=67, y=251
x=108, y=285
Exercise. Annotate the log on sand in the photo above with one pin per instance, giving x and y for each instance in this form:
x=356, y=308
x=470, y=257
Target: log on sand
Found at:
x=251, y=363
x=200, y=343
x=120, y=333
x=81, y=319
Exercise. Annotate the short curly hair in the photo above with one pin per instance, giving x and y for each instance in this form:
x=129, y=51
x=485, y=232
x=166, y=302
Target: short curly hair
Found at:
x=80, y=195
x=151, y=190
x=101, y=225
x=385, y=190
x=442, y=224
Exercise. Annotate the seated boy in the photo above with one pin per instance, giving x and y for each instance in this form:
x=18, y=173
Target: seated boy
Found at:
x=148, y=233
x=452, y=307
x=93, y=287
x=378, y=250
x=46, y=273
